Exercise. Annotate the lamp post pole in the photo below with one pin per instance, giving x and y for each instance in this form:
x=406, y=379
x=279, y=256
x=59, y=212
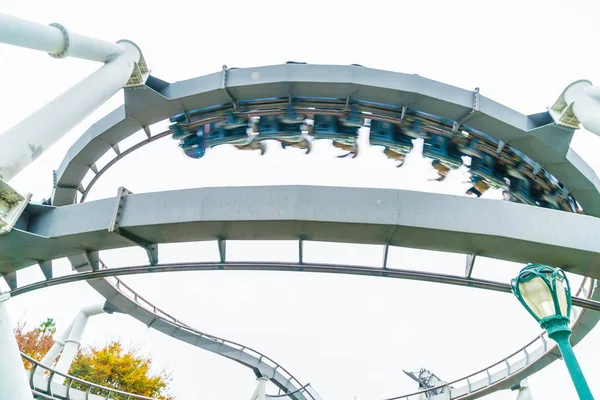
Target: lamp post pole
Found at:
x=545, y=292
x=562, y=340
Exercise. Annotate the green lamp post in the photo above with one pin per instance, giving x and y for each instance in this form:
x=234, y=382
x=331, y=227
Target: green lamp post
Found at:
x=545, y=292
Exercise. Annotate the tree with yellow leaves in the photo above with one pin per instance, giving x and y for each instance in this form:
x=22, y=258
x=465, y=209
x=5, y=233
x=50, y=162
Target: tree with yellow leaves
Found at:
x=111, y=366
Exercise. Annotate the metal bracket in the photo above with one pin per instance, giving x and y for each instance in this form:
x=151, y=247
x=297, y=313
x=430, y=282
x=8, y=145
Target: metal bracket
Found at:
x=115, y=147
x=146, y=129
x=114, y=227
x=386, y=248
x=12, y=205
x=85, y=262
x=94, y=168
x=403, y=114
x=11, y=280
x=562, y=113
x=301, y=250
x=64, y=51
x=224, y=87
x=140, y=73
x=456, y=125
x=470, y=264
x=222, y=243
x=500, y=147
x=46, y=267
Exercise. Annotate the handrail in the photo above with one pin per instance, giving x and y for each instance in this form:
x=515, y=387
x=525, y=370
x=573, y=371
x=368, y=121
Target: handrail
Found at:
x=71, y=379
x=153, y=310
x=447, y=385
x=278, y=396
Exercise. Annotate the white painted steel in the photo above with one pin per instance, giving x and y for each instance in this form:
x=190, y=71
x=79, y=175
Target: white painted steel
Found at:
x=23, y=143
x=13, y=379
x=56, y=40
x=585, y=100
x=259, y=392
x=48, y=387
x=73, y=340
x=524, y=391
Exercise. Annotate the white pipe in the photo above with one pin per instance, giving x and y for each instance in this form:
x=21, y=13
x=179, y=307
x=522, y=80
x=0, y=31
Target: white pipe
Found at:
x=586, y=104
x=73, y=341
x=54, y=351
x=24, y=142
x=55, y=40
x=13, y=378
x=524, y=391
x=259, y=392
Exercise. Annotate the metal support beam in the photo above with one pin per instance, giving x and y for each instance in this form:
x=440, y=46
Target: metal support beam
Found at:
x=259, y=392
x=222, y=243
x=12, y=205
x=114, y=227
x=224, y=87
x=46, y=267
x=386, y=249
x=301, y=250
x=85, y=262
x=13, y=379
x=24, y=142
x=456, y=125
x=470, y=265
x=11, y=280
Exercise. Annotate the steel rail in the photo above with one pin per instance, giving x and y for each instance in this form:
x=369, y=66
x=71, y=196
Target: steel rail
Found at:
x=72, y=379
x=447, y=385
x=158, y=313
x=211, y=117
x=288, y=267
x=406, y=274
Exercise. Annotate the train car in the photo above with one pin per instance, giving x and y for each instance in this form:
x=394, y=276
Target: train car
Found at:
x=397, y=144
x=289, y=129
x=342, y=130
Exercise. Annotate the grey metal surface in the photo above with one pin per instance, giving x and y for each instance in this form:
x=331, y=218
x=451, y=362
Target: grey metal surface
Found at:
x=458, y=224
x=534, y=135
x=383, y=272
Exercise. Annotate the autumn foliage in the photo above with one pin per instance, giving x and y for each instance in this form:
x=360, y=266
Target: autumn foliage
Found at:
x=36, y=342
x=111, y=366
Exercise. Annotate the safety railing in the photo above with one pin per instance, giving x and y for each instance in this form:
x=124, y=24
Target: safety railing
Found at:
x=502, y=369
x=54, y=390
x=127, y=291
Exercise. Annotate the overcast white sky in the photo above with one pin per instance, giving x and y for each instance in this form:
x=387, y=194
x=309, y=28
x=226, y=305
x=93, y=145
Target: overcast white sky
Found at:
x=348, y=336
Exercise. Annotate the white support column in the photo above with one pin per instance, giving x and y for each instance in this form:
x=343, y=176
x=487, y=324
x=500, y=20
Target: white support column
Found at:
x=55, y=40
x=54, y=351
x=260, y=391
x=23, y=143
x=13, y=378
x=524, y=391
x=73, y=341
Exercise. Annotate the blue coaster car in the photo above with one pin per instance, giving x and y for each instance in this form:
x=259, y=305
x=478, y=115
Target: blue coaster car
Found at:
x=396, y=143
x=443, y=149
x=343, y=131
x=288, y=129
x=194, y=145
x=492, y=169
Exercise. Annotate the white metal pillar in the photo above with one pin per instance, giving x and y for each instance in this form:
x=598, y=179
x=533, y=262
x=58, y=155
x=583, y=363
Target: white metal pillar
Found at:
x=259, y=392
x=55, y=40
x=73, y=340
x=524, y=391
x=24, y=142
x=13, y=378
x=52, y=354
